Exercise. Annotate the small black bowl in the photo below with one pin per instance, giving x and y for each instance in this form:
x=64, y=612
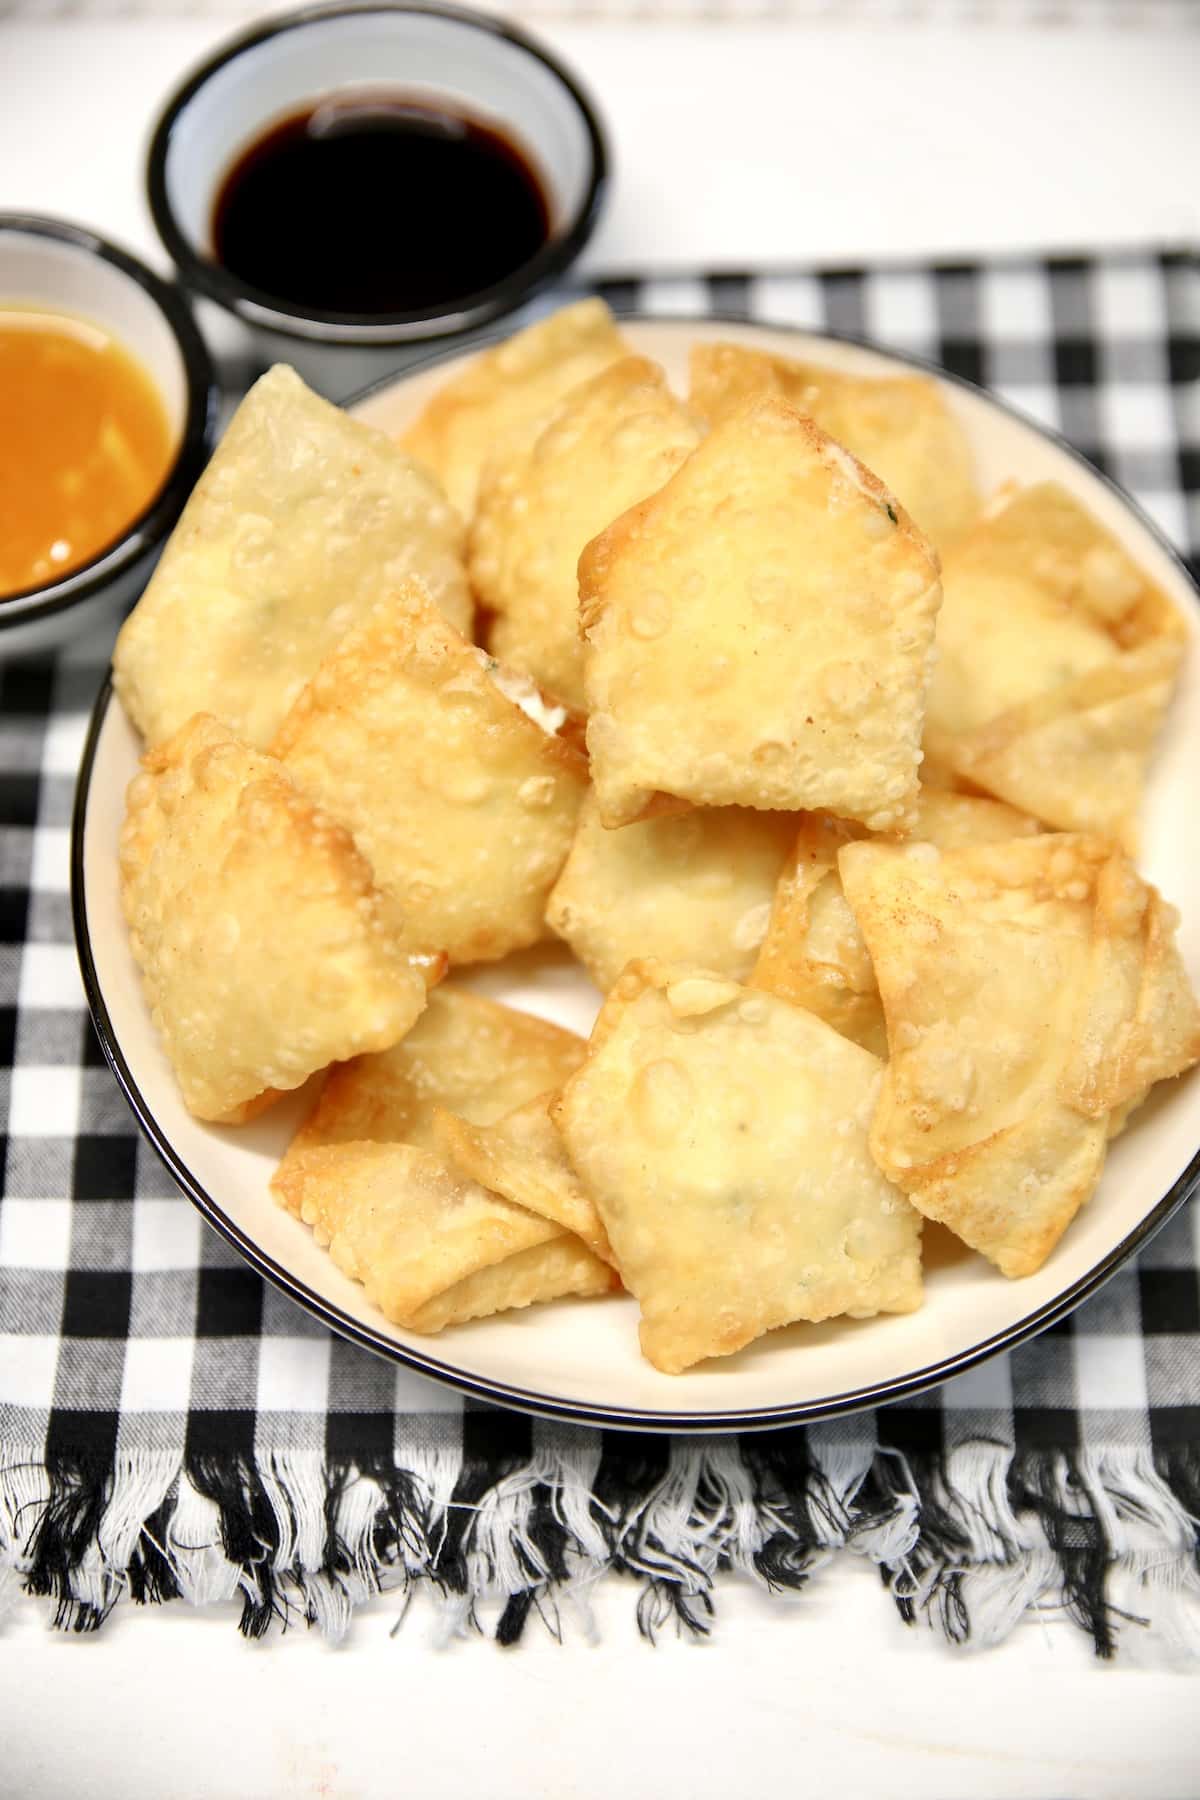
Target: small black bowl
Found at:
x=471, y=60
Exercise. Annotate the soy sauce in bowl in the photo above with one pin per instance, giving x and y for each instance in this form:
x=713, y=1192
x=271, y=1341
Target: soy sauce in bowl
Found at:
x=377, y=203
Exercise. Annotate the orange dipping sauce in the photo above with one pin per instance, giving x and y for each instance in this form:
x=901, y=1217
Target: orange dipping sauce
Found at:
x=85, y=444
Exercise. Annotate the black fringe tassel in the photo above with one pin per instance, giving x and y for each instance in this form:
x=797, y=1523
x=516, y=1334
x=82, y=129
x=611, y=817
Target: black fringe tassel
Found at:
x=663, y=1511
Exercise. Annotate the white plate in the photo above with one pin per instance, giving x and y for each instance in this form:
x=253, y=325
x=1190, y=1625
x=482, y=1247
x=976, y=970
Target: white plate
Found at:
x=581, y=1359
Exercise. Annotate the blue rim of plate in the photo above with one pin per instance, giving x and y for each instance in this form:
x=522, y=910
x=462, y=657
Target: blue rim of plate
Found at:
x=525, y=1400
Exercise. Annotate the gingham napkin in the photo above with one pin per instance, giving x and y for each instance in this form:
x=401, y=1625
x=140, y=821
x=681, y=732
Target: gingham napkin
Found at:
x=169, y=1426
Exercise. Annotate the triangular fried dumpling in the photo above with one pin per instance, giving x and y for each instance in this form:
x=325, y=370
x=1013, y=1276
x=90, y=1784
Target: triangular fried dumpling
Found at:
x=1056, y=659
x=1030, y=988
x=253, y=918
x=694, y=887
x=723, y=1136
x=431, y=1247
x=759, y=632
x=813, y=953
x=302, y=519
x=504, y=396
x=613, y=440
x=465, y=806
x=900, y=426
x=467, y=1053
x=522, y=1158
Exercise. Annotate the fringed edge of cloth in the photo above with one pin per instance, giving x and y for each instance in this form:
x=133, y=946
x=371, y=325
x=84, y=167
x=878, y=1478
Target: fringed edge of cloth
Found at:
x=968, y=1542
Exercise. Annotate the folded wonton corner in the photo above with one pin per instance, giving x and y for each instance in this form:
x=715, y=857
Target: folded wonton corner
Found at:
x=370, y=1169
x=695, y=887
x=813, y=952
x=504, y=396
x=1033, y=993
x=431, y=1247
x=900, y=426
x=522, y=1157
x=1057, y=657
x=613, y=440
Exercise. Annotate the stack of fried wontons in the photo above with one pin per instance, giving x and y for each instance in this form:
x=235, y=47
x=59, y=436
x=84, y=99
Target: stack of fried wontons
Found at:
x=848, y=854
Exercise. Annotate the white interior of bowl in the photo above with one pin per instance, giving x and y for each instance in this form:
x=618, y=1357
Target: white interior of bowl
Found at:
x=584, y=1356
x=423, y=55
x=45, y=272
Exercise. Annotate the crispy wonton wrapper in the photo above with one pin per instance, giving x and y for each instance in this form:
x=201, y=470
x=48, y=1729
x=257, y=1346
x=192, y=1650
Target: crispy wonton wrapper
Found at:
x=467, y=1053
x=503, y=397
x=254, y=921
x=614, y=440
x=813, y=952
x=760, y=632
x=900, y=426
x=465, y=807
x=431, y=1247
x=1033, y=993
x=522, y=1158
x=696, y=887
x=302, y=520
x=484, y=1255
x=1056, y=659
x=723, y=1135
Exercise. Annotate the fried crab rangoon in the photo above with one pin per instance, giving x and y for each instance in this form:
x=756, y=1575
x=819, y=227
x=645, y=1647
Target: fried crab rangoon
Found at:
x=723, y=1136
x=256, y=925
x=503, y=397
x=523, y=1158
x=368, y=1169
x=899, y=426
x=760, y=632
x=466, y=1053
x=465, y=806
x=1033, y=994
x=614, y=440
x=301, y=521
x=813, y=952
x=431, y=1247
x=1056, y=659
x=696, y=887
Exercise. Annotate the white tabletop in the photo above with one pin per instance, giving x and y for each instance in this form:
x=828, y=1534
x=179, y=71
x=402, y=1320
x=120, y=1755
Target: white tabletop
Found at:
x=792, y=142
x=884, y=130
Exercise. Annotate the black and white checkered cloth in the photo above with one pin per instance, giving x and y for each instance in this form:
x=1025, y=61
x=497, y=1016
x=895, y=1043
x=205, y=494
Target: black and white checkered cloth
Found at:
x=171, y=1426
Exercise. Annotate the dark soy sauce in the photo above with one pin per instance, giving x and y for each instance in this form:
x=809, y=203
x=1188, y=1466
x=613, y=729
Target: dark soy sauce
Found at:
x=374, y=203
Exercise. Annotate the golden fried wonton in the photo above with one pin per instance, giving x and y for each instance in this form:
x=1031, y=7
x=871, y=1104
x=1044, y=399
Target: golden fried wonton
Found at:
x=467, y=1053
x=522, y=1158
x=254, y=921
x=503, y=397
x=900, y=426
x=723, y=1135
x=1032, y=990
x=303, y=519
x=813, y=953
x=614, y=440
x=694, y=887
x=1056, y=660
x=430, y=1247
x=760, y=632
x=465, y=807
